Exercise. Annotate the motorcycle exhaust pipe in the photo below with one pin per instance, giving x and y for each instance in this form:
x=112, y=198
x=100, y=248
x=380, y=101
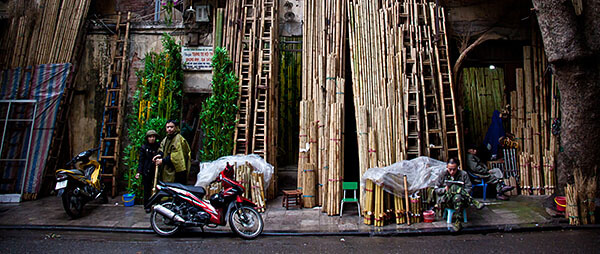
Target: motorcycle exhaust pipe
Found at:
x=78, y=191
x=168, y=213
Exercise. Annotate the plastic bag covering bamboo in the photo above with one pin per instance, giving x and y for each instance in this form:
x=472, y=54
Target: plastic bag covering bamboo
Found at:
x=421, y=172
x=210, y=170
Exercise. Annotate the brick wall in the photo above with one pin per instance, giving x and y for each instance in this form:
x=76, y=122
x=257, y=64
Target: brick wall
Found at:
x=139, y=8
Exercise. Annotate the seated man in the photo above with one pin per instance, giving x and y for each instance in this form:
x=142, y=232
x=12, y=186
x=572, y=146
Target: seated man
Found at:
x=491, y=176
x=453, y=187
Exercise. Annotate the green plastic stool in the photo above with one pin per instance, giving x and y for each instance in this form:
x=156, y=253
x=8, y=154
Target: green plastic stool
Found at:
x=346, y=186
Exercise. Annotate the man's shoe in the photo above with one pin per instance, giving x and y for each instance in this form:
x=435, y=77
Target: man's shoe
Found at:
x=507, y=188
x=478, y=205
x=457, y=225
x=501, y=197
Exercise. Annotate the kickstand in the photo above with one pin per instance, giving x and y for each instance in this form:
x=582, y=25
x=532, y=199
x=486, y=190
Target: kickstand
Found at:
x=202, y=228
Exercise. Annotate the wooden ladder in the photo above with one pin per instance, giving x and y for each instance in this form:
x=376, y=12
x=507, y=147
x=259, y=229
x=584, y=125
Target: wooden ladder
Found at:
x=261, y=107
x=450, y=132
x=112, y=121
x=246, y=82
x=433, y=125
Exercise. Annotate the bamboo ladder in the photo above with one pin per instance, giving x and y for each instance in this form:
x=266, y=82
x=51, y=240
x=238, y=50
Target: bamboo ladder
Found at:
x=246, y=82
x=261, y=107
x=112, y=120
x=450, y=133
x=412, y=108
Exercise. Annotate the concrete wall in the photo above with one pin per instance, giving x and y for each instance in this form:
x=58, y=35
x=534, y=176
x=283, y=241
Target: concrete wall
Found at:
x=290, y=17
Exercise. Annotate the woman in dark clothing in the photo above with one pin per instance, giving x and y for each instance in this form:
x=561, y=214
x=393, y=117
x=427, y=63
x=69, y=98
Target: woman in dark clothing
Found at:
x=146, y=166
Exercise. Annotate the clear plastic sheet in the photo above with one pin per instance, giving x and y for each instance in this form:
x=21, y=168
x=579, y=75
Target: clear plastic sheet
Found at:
x=421, y=172
x=210, y=170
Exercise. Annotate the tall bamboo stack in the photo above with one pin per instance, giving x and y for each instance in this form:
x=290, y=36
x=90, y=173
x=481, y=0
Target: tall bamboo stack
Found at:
x=250, y=34
x=397, y=60
x=322, y=105
x=535, y=106
x=46, y=33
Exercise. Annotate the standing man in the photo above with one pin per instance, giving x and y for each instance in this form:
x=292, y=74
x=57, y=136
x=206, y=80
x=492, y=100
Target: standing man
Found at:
x=146, y=166
x=491, y=176
x=453, y=187
x=173, y=155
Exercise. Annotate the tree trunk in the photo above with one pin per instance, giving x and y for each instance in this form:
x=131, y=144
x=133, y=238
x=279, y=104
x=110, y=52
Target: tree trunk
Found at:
x=571, y=43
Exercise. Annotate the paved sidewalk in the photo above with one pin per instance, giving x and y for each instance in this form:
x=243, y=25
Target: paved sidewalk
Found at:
x=520, y=212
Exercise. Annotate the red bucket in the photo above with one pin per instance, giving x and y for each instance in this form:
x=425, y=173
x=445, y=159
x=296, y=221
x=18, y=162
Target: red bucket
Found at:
x=428, y=216
x=561, y=203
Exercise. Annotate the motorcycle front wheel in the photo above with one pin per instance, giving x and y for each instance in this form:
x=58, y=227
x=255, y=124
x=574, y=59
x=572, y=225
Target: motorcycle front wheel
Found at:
x=162, y=225
x=72, y=203
x=246, y=222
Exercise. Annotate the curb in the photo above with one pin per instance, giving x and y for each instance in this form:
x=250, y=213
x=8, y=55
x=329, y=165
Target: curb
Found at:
x=508, y=228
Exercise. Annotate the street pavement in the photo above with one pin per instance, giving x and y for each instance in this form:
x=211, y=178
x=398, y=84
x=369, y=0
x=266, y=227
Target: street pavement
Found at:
x=44, y=241
x=521, y=212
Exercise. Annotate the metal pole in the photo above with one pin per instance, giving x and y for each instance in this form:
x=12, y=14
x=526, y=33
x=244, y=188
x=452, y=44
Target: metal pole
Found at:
x=5, y=125
x=29, y=147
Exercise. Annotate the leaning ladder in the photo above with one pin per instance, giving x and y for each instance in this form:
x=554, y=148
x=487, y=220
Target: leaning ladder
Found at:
x=246, y=82
x=112, y=120
x=450, y=132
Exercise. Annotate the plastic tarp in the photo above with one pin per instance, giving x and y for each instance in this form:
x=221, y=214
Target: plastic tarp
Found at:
x=421, y=172
x=44, y=83
x=210, y=170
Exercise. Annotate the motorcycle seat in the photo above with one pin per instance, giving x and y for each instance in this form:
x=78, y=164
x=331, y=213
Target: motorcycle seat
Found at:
x=197, y=191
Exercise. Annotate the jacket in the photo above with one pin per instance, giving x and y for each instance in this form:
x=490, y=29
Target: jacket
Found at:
x=461, y=176
x=145, y=164
x=176, y=156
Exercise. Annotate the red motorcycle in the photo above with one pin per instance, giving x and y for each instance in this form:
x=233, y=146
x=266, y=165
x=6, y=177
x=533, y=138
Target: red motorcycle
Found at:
x=175, y=206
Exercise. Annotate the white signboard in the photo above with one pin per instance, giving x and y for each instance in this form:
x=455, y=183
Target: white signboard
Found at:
x=197, y=58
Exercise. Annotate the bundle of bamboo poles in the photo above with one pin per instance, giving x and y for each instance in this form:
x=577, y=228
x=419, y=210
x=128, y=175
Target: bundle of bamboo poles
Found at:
x=48, y=33
x=535, y=105
x=415, y=210
x=322, y=125
x=393, y=84
x=258, y=191
x=572, y=210
x=252, y=181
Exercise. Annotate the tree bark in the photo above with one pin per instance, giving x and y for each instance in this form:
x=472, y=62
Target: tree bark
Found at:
x=571, y=43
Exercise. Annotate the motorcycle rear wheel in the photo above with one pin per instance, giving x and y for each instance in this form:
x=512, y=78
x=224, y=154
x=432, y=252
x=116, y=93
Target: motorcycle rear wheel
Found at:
x=162, y=225
x=72, y=203
x=246, y=222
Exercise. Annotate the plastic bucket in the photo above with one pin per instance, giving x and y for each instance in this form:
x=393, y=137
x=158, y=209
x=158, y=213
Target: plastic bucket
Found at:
x=128, y=199
x=561, y=203
x=428, y=216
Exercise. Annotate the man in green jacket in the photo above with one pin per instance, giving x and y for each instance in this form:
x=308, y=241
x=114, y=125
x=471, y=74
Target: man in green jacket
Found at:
x=173, y=155
x=453, y=187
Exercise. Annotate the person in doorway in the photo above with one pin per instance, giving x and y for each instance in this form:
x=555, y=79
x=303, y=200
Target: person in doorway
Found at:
x=453, y=187
x=173, y=155
x=491, y=176
x=146, y=167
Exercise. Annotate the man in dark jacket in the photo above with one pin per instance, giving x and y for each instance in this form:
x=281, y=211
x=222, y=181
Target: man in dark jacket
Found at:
x=453, y=187
x=491, y=176
x=146, y=166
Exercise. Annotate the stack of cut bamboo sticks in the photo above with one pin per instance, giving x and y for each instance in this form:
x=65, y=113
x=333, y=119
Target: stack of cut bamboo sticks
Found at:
x=535, y=106
x=396, y=60
x=320, y=165
x=49, y=37
x=251, y=180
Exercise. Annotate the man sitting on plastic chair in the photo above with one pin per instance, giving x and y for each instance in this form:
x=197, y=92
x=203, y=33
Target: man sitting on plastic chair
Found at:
x=452, y=188
x=491, y=176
